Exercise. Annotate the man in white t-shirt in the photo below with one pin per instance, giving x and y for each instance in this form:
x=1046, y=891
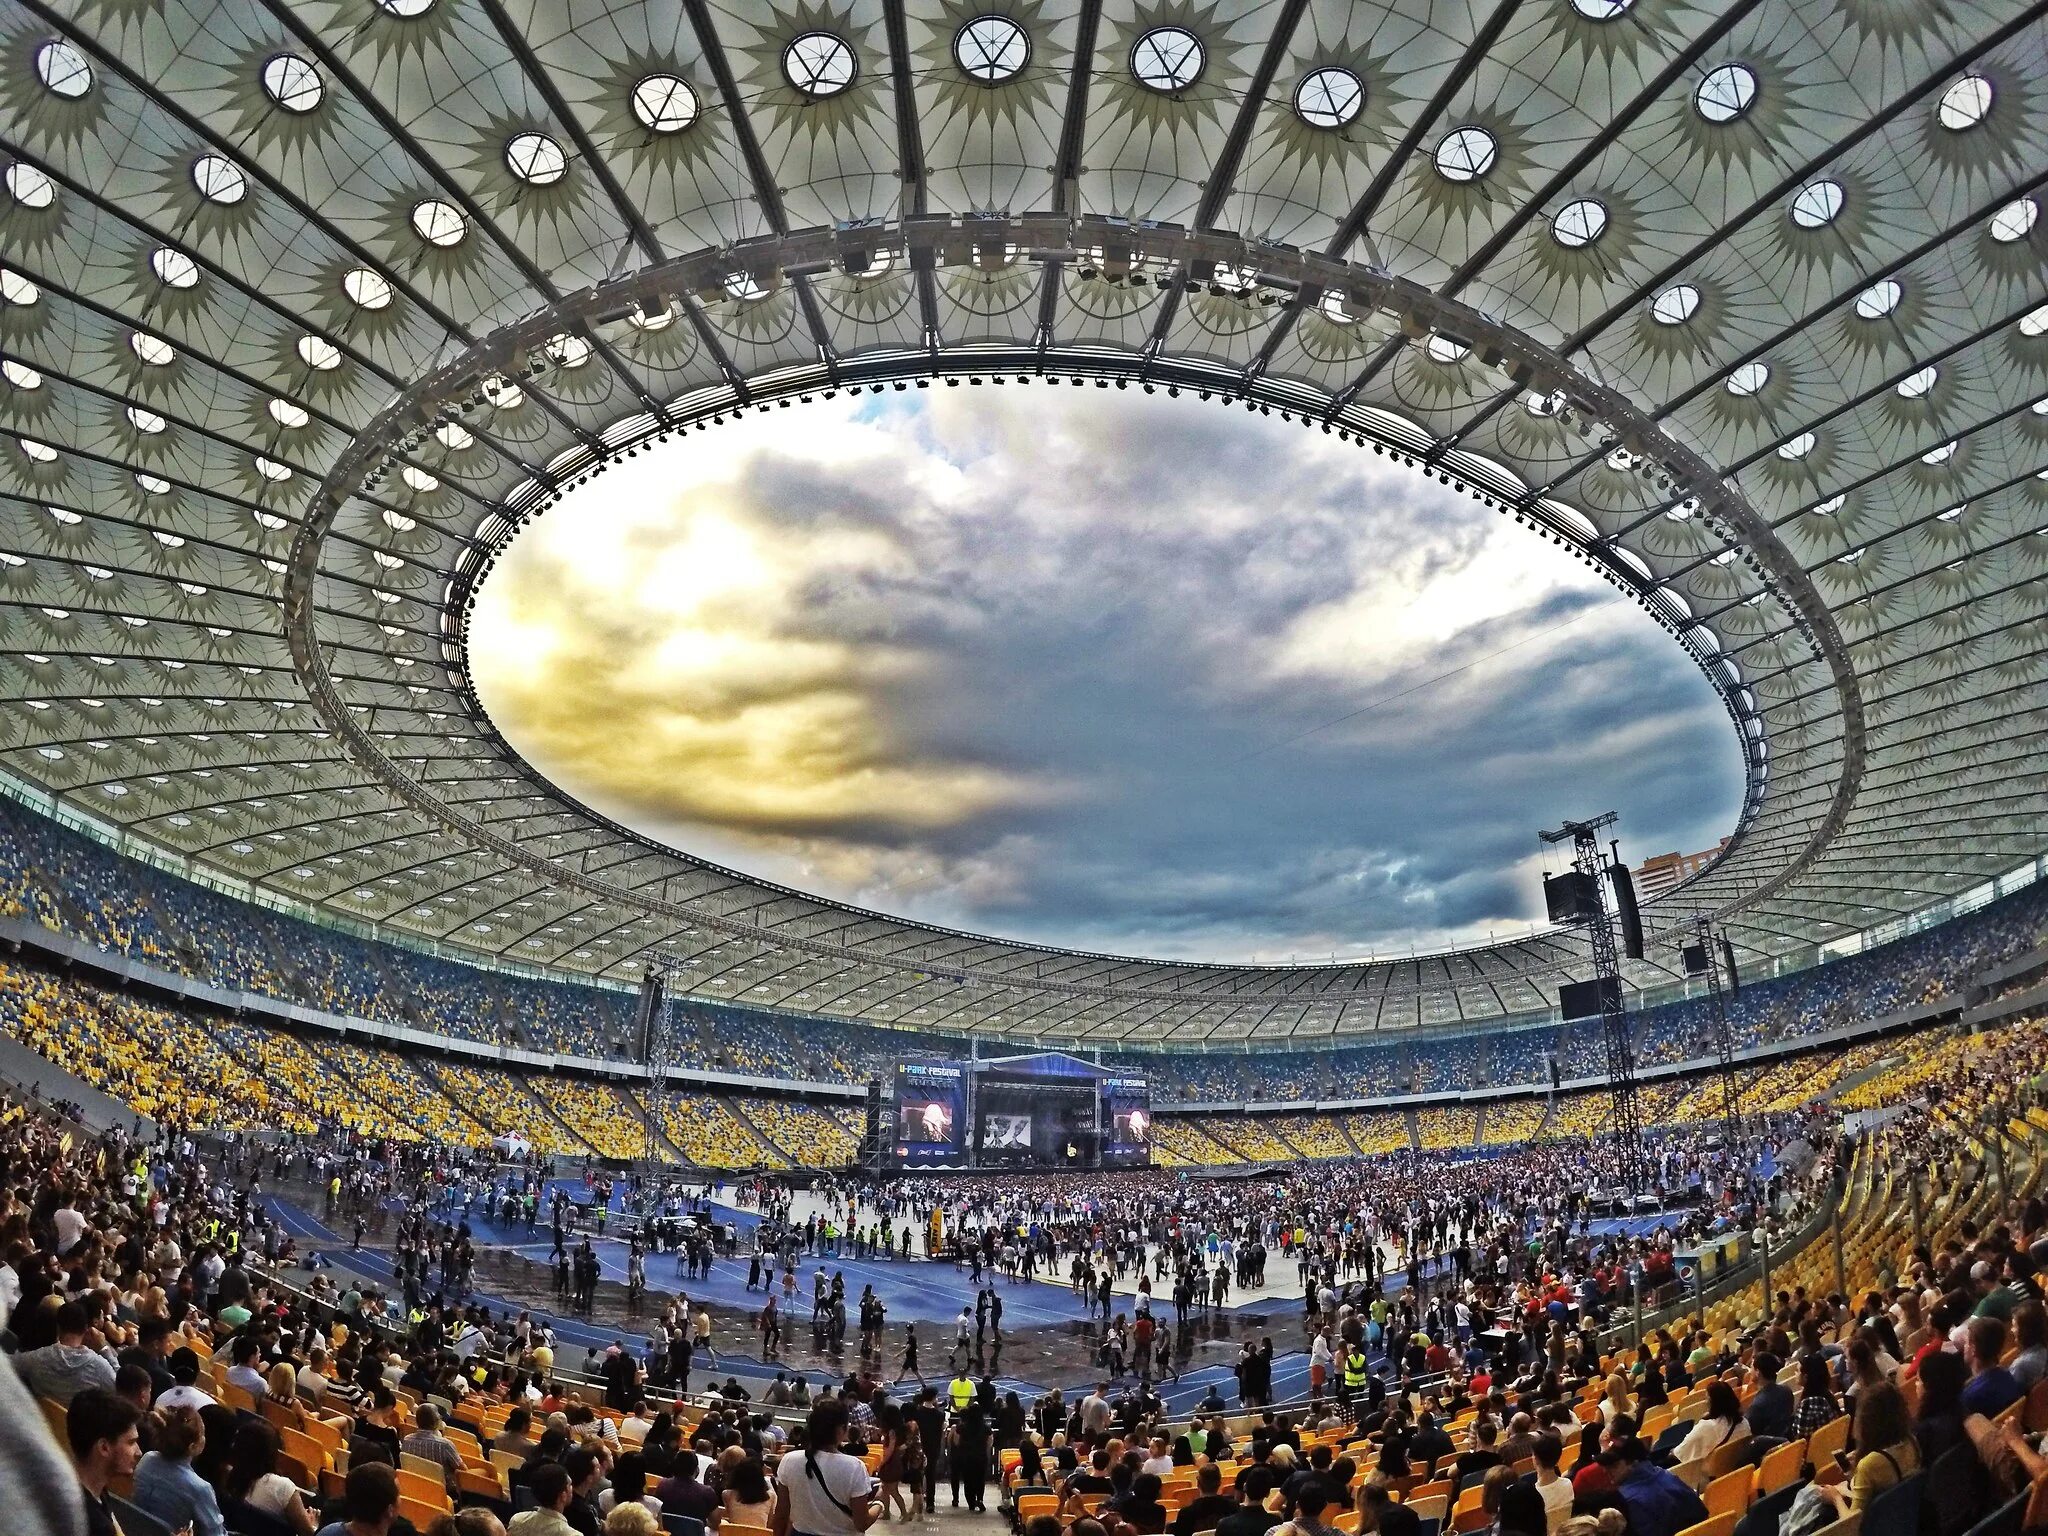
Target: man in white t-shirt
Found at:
x=824, y=1492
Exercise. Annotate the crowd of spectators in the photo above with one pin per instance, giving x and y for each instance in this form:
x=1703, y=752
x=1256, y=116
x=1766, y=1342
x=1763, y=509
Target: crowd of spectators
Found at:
x=70, y=883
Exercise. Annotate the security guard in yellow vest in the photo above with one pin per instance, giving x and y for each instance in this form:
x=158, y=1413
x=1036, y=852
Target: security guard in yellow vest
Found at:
x=1355, y=1373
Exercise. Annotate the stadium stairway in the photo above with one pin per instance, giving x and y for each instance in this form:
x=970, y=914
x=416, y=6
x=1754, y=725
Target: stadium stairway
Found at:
x=772, y=1155
x=1479, y=1125
x=666, y=1147
x=1414, y=1130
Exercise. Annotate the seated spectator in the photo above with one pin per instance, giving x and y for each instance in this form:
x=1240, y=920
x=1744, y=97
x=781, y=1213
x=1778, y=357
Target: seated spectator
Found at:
x=245, y=1358
x=551, y=1495
x=165, y=1483
x=62, y=1370
x=1991, y=1389
x=1722, y=1424
x=1658, y=1504
x=1772, y=1409
x=184, y=1390
x=1888, y=1455
x=1938, y=1423
x=427, y=1441
x=1817, y=1402
x=252, y=1478
x=104, y=1449
x=1209, y=1505
x=516, y=1438
x=2030, y=1334
x=369, y=1502
x=1552, y=1484
x=375, y=1437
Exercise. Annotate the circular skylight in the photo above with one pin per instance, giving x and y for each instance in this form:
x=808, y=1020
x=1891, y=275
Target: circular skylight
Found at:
x=146, y=421
x=1466, y=154
x=738, y=285
x=29, y=186
x=293, y=83
x=419, y=479
x=569, y=350
x=219, y=179
x=153, y=350
x=1940, y=455
x=152, y=485
x=536, y=159
x=1329, y=97
x=1675, y=305
x=992, y=49
x=503, y=393
x=439, y=223
x=819, y=64
x=1579, y=222
x=1747, y=379
x=318, y=352
x=405, y=10
x=16, y=289
x=286, y=414
x=1918, y=382
x=173, y=268
x=1443, y=350
x=1168, y=59
x=1879, y=299
x=1818, y=204
x=664, y=103
x=366, y=287
x=454, y=435
x=1794, y=448
x=1602, y=10
x=2015, y=221
x=2034, y=321
x=1728, y=91
x=1966, y=103
x=20, y=375
x=62, y=68
x=271, y=470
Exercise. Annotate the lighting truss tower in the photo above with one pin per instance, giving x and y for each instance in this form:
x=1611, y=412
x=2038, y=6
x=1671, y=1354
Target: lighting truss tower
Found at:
x=1724, y=1041
x=662, y=1053
x=1627, y=1132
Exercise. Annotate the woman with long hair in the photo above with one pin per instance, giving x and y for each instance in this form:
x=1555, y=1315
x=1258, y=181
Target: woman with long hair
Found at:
x=890, y=1473
x=1615, y=1399
x=1938, y=1425
x=1887, y=1452
x=1722, y=1424
x=1817, y=1404
x=629, y=1486
x=251, y=1477
x=747, y=1499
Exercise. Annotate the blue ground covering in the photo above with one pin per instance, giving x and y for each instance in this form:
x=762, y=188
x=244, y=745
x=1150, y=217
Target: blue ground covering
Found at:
x=927, y=1293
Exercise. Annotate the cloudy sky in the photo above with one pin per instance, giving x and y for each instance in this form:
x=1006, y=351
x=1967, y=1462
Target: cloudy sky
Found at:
x=1093, y=668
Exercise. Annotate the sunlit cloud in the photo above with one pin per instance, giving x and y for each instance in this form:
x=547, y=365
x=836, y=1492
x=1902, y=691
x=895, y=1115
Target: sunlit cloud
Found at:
x=1097, y=669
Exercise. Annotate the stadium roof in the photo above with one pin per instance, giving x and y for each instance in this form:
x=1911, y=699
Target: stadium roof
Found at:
x=307, y=306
